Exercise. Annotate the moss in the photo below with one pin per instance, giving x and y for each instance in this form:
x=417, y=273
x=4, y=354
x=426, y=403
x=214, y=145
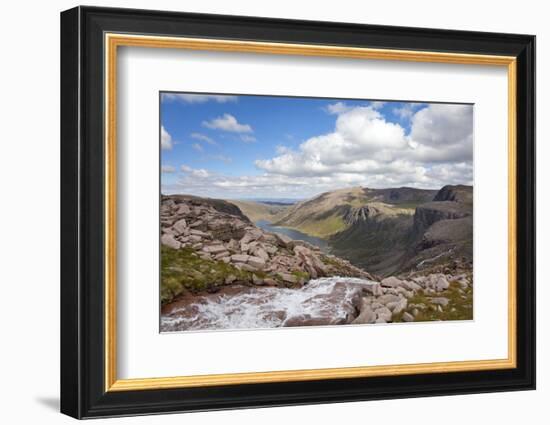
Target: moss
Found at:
x=182, y=270
x=300, y=275
x=324, y=227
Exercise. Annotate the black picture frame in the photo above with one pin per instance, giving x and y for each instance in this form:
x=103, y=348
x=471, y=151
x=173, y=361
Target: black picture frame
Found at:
x=83, y=392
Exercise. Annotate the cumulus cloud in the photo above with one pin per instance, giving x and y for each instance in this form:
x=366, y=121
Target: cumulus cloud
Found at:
x=203, y=138
x=227, y=122
x=361, y=137
x=337, y=108
x=165, y=139
x=197, y=98
x=363, y=149
x=366, y=149
x=442, y=125
x=406, y=111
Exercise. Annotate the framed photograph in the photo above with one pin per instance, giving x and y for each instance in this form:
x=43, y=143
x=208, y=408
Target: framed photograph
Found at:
x=261, y=212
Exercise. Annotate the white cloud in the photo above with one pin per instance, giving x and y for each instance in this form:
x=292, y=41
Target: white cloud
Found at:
x=167, y=169
x=281, y=149
x=366, y=148
x=200, y=173
x=227, y=122
x=363, y=149
x=337, y=108
x=404, y=112
x=360, y=133
x=197, y=147
x=197, y=98
x=443, y=133
x=203, y=138
x=165, y=139
x=442, y=125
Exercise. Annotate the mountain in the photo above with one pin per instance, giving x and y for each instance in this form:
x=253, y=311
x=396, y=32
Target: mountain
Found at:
x=256, y=210
x=208, y=243
x=333, y=212
x=439, y=232
x=220, y=271
x=385, y=231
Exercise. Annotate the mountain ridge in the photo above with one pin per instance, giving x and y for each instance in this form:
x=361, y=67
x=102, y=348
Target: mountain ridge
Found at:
x=387, y=230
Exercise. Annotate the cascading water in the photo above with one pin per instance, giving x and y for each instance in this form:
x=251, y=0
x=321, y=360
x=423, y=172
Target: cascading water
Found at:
x=324, y=301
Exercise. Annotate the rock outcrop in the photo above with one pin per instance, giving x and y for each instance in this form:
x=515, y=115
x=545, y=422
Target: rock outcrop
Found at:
x=226, y=248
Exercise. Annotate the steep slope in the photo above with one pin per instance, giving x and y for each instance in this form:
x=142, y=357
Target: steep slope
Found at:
x=329, y=213
x=443, y=230
x=210, y=243
x=440, y=231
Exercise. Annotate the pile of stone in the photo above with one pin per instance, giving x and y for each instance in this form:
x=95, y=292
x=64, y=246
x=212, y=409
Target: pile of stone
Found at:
x=390, y=298
x=272, y=258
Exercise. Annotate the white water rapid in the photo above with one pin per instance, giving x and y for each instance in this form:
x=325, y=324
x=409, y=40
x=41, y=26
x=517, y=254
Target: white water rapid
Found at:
x=324, y=301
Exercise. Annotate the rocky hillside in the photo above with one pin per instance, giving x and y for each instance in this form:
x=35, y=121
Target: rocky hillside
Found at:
x=385, y=231
x=209, y=243
x=438, y=231
x=333, y=212
x=442, y=231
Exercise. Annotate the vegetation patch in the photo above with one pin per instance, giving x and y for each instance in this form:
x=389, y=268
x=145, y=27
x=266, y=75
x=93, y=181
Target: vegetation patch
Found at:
x=324, y=227
x=183, y=270
x=460, y=306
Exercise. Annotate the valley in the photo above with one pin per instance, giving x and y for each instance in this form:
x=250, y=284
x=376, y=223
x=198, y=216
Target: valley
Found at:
x=350, y=256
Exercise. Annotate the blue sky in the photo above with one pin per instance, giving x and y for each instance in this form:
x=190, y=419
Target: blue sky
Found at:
x=245, y=147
